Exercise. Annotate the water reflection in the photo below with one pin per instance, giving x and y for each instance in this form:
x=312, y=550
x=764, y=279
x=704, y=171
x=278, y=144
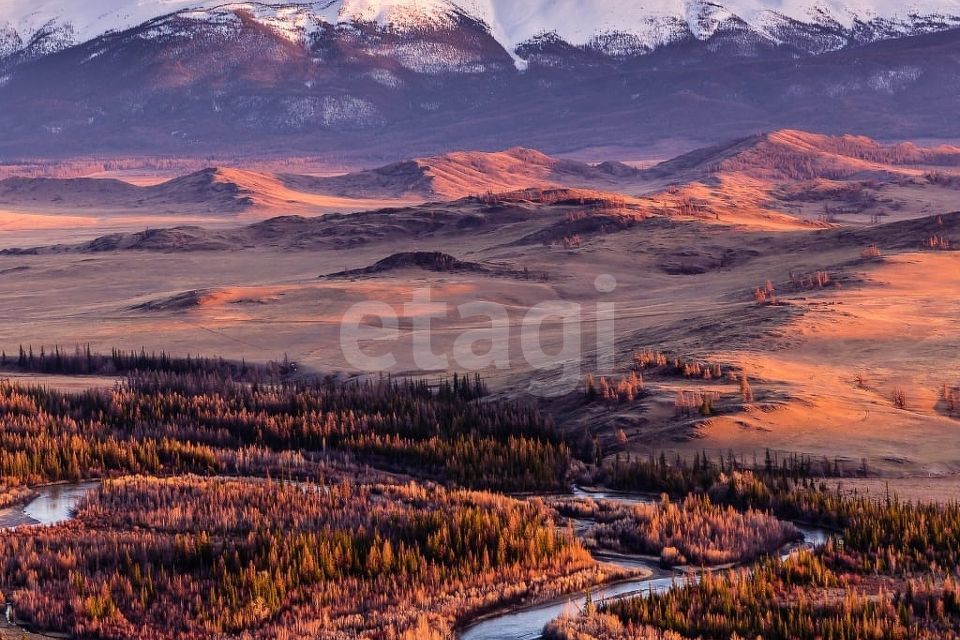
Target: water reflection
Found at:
x=54, y=504
x=528, y=624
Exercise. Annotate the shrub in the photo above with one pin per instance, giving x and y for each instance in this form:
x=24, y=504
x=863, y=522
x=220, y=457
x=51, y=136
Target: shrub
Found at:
x=899, y=398
x=627, y=389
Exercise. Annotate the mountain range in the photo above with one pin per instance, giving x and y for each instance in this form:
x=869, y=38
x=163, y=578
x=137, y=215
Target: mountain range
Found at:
x=784, y=156
x=380, y=76
x=784, y=181
x=610, y=27
x=229, y=190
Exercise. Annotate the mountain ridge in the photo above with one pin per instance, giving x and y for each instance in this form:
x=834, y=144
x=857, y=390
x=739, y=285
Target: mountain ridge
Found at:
x=441, y=177
x=794, y=154
x=247, y=75
x=613, y=27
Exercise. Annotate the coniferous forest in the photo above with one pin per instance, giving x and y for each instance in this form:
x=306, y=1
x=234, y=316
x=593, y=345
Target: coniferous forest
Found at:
x=238, y=500
x=164, y=422
x=890, y=571
x=249, y=501
x=193, y=557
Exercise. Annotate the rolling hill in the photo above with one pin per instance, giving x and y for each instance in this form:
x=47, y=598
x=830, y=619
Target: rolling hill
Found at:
x=443, y=177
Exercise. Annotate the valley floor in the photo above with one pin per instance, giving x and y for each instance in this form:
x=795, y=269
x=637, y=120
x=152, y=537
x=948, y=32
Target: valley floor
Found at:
x=850, y=353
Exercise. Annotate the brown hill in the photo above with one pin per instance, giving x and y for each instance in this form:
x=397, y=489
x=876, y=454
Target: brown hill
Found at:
x=436, y=261
x=226, y=190
x=445, y=177
x=798, y=155
x=552, y=218
x=76, y=192
x=463, y=173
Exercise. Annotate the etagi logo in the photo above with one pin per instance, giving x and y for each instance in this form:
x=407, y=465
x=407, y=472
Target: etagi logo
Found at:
x=375, y=326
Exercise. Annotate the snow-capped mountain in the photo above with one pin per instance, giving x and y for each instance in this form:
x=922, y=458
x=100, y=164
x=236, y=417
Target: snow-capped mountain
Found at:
x=422, y=76
x=618, y=27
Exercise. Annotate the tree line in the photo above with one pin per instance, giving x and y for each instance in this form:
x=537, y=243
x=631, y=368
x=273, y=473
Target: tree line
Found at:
x=890, y=573
x=83, y=361
x=165, y=422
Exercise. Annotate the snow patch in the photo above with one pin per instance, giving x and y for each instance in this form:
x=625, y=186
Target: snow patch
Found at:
x=385, y=77
x=395, y=13
x=656, y=22
x=348, y=110
x=331, y=111
x=433, y=57
x=620, y=26
x=893, y=81
x=295, y=23
x=93, y=56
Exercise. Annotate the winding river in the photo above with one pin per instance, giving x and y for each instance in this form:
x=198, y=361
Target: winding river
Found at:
x=527, y=623
x=54, y=504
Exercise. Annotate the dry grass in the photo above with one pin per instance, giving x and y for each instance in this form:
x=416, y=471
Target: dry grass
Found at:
x=897, y=327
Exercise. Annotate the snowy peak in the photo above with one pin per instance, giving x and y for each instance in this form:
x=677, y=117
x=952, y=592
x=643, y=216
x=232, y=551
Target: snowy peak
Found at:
x=634, y=25
x=394, y=13
x=87, y=20
x=432, y=75
x=653, y=23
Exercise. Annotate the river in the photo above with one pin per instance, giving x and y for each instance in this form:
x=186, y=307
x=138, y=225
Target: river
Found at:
x=53, y=504
x=528, y=623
